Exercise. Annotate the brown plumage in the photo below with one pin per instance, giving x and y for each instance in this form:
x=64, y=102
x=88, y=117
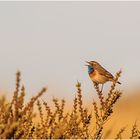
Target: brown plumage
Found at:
x=98, y=74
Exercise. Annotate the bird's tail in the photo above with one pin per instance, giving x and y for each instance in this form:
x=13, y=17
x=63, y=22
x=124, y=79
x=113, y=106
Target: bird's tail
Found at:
x=119, y=82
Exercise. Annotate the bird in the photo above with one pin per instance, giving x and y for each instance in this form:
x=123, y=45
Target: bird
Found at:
x=98, y=74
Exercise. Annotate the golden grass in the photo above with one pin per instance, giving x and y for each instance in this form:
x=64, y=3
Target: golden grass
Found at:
x=17, y=119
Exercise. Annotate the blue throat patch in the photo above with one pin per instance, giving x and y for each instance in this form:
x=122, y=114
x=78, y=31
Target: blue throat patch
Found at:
x=90, y=69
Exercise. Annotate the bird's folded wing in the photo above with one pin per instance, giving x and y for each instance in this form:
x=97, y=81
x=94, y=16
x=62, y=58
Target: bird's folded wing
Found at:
x=104, y=72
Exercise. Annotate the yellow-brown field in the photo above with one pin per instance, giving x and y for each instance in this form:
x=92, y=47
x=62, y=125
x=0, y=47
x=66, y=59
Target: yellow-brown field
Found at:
x=126, y=113
x=113, y=116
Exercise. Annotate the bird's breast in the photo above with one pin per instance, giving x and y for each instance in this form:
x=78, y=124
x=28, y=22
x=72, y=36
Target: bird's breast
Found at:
x=96, y=77
x=93, y=74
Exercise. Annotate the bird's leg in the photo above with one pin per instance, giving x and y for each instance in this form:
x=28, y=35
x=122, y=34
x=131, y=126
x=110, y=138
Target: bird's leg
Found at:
x=96, y=85
x=102, y=88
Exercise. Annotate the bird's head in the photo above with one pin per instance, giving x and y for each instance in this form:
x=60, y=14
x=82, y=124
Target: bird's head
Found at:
x=92, y=63
x=91, y=66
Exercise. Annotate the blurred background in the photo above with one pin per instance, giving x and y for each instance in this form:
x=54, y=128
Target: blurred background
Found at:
x=49, y=43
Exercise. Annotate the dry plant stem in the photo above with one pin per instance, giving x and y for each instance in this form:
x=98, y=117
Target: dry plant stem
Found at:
x=118, y=74
x=8, y=131
x=135, y=132
x=98, y=119
x=61, y=115
x=98, y=132
x=80, y=102
x=75, y=105
x=56, y=103
x=21, y=98
x=86, y=123
x=15, y=98
x=49, y=113
x=59, y=108
x=31, y=131
x=119, y=135
x=27, y=124
x=11, y=115
x=48, y=116
x=32, y=101
x=40, y=113
x=100, y=95
x=81, y=110
x=106, y=106
x=108, y=111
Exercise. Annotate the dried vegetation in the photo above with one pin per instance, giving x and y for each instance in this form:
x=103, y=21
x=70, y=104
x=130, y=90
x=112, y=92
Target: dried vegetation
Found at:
x=16, y=117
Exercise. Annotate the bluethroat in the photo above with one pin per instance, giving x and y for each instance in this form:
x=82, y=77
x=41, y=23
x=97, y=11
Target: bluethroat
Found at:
x=98, y=74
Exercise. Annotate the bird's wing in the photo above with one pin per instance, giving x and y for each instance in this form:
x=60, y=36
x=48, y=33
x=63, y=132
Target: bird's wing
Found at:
x=104, y=72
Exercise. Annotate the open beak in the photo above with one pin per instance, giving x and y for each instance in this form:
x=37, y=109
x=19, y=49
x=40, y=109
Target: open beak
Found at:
x=88, y=63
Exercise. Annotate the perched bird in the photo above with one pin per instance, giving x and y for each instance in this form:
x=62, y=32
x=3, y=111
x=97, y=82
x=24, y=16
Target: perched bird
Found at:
x=98, y=74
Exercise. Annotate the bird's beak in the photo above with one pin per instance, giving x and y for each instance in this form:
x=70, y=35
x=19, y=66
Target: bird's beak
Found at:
x=88, y=63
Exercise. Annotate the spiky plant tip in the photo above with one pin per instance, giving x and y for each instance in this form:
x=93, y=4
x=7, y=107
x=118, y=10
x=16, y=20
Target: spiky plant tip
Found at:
x=78, y=85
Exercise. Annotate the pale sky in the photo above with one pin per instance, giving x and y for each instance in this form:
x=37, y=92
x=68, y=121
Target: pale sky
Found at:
x=49, y=43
